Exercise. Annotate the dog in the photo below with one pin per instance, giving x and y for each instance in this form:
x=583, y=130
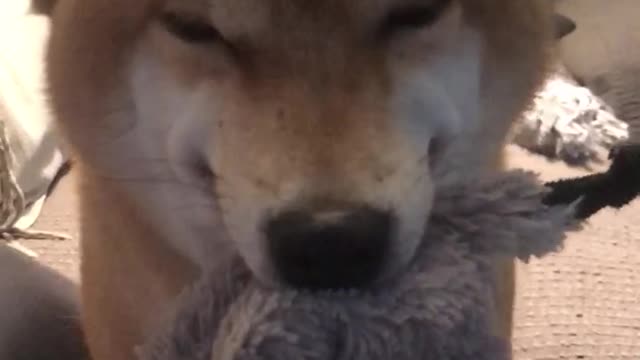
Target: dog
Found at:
x=307, y=136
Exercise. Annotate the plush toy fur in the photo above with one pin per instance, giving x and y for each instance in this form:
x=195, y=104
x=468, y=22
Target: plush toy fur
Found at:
x=439, y=308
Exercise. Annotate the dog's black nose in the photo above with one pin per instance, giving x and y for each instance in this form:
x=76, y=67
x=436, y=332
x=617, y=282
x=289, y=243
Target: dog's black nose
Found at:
x=329, y=250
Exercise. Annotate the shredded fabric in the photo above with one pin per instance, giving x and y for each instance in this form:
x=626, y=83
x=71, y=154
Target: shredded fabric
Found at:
x=12, y=201
x=440, y=307
x=569, y=122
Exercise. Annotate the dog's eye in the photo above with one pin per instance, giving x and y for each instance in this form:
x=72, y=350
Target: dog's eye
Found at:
x=190, y=29
x=414, y=17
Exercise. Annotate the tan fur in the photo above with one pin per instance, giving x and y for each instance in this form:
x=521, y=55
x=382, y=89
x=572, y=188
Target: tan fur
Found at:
x=122, y=256
x=301, y=104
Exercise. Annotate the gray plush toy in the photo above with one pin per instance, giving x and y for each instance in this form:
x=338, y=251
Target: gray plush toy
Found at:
x=438, y=308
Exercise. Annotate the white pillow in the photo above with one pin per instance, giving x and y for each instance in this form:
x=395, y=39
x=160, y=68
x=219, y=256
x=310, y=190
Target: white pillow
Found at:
x=13, y=8
x=28, y=122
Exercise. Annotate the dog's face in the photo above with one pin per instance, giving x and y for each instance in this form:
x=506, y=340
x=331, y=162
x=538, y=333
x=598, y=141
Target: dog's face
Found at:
x=311, y=133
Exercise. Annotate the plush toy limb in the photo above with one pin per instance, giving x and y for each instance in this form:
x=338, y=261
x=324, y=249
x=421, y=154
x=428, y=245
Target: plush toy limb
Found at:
x=616, y=187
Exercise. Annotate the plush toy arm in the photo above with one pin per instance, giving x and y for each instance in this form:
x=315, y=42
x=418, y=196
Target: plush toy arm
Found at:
x=616, y=187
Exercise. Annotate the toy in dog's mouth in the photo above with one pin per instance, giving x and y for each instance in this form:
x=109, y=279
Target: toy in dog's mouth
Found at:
x=438, y=308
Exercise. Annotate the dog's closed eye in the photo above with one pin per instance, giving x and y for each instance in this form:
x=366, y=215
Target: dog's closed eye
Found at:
x=413, y=17
x=190, y=29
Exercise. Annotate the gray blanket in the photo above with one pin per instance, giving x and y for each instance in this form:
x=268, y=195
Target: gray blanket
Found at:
x=439, y=308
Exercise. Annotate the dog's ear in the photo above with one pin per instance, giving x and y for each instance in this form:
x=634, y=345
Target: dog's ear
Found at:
x=43, y=7
x=563, y=26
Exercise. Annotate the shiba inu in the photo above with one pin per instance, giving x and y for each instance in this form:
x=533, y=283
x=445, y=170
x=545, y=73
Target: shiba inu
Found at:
x=307, y=136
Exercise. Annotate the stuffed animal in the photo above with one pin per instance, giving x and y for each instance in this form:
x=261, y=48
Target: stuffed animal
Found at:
x=438, y=308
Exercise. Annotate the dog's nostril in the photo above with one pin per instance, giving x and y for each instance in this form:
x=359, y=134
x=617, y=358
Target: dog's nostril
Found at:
x=329, y=250
x=435, y=148
x=201, y=168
